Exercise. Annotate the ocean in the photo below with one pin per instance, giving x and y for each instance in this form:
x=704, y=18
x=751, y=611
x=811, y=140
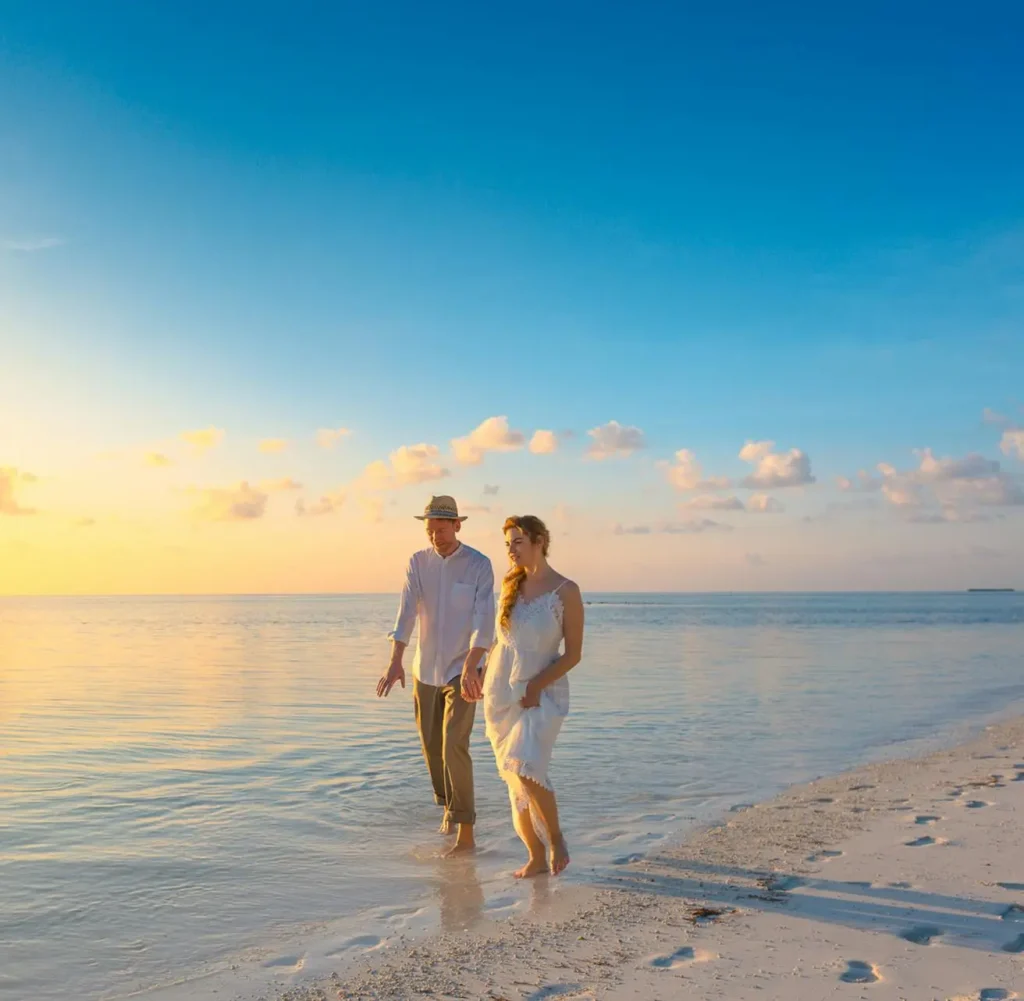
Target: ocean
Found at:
x=186, y=783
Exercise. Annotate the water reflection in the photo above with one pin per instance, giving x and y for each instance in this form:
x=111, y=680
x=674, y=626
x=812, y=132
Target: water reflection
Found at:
x=459, y=892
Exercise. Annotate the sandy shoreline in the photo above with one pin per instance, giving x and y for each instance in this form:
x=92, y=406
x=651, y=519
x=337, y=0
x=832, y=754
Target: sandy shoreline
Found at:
x=897, y=880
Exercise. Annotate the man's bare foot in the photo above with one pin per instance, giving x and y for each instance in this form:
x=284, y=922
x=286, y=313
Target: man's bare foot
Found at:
x=559, y=855
x=461, y=847
x=535, y=867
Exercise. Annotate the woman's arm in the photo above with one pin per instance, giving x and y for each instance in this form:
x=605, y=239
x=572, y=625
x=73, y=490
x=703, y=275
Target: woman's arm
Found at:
x=572, y=628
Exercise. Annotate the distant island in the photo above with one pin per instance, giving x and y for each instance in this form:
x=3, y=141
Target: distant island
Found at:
x=989, y=590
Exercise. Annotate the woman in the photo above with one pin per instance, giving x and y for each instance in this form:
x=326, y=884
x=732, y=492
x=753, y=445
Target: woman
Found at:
x=526, y=691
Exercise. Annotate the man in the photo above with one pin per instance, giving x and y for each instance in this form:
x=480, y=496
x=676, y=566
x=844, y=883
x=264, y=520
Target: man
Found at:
x=449, y=592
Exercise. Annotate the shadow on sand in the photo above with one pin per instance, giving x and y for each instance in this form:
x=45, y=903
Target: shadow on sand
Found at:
x=917, y=916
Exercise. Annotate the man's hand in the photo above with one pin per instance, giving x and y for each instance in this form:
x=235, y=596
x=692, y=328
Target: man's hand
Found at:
x=394, y=674
x=532, y=697
x=472, y=684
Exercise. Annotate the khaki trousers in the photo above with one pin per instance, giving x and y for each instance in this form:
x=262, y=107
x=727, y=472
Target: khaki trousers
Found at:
x=445, y=722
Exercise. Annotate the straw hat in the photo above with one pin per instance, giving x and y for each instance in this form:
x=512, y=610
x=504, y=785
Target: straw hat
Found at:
x=441, y=507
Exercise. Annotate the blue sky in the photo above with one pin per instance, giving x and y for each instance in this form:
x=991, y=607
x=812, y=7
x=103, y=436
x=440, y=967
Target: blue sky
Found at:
x=758, y=222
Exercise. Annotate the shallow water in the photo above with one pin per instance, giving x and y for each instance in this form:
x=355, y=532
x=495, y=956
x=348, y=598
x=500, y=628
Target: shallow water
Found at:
x=184, y=779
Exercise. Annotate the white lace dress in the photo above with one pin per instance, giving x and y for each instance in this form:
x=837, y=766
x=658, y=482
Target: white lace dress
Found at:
x=523, y=739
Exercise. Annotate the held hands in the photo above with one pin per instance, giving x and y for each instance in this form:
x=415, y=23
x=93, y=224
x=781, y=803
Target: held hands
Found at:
x=472, y=684
x=532, y=697
x=394, y=674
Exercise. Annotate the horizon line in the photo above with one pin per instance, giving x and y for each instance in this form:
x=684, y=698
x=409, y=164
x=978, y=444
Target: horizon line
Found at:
x=391, y=594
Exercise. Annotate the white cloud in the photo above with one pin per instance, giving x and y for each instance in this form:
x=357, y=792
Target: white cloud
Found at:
x=692, y=527
x=970, y=467
x=372, y=508
x=709, y=502
x=329, y=437
x=491, y=489
x=864, y=482
x=203, y=440
x=279, y=486
x=544, y=442
x=763, y=504
x=901, y=493
x=775, y=470
x=1012, y=443
x=32, y=245
x=614, y=440
x=10, y=478
x=327, y=504
x=999, y=490
x=271, y=446
x=493, y=435
x=238, y=503
x=943, y=489
x=990, y=416
x=406, y=466
x=686, y=473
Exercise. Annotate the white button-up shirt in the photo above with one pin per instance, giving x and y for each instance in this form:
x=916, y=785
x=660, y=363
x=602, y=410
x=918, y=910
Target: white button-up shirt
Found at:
x=452, y=600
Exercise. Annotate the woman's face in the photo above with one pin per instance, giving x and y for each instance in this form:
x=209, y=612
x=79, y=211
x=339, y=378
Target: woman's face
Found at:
x=521, y=551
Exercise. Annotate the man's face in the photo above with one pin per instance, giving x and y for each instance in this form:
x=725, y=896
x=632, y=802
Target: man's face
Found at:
x=442, y=534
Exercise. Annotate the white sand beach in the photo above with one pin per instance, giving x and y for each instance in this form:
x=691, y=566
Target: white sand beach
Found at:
x=901, y=880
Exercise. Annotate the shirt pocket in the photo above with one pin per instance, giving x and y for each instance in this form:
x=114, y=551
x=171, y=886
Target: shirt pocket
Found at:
x=462, y=596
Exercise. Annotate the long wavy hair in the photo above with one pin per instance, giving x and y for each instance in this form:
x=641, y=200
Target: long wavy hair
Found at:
x=537, y=532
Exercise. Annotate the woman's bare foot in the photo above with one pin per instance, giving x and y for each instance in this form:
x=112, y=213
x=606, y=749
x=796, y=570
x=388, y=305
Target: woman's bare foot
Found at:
x=535, y=867
x=559, y=856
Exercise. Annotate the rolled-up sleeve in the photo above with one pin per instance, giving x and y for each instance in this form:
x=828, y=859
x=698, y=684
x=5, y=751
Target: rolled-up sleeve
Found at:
x=483, y=608
x=406, y=618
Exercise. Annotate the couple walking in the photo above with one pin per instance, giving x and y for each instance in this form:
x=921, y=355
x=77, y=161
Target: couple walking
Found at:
x=516, y=662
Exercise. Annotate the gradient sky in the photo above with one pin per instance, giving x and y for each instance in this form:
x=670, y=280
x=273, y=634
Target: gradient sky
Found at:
x=784, y=241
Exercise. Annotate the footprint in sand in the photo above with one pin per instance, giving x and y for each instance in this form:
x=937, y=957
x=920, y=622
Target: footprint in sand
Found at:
x=577, y=991
x=358, y=942
x=977, y=804
x=683, y=956
x=861, y=788
x=1014, y=887
x=926, y=818
x=823, y=856
x=901, y=885
x=1013, y=913
x=292, y=963
x=921, y=934
x=783, y=884
x=626, y=859
x=823, y=799
x=859, y=972
x=1019, y=777
x=1016, y=946
x=987, y=994
x=925, y=842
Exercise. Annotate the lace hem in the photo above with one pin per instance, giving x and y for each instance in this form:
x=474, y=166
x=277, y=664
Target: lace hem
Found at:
x=516, y=768
x=523, y=770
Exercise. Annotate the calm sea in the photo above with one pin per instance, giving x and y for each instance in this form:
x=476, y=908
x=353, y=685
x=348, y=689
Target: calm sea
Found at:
x=184, y=780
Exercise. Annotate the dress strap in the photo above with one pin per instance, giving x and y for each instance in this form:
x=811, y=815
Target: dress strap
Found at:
x=560, y=586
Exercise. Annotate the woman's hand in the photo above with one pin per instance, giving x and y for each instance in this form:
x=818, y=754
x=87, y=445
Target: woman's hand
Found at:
x=532, y=697
x=472, y=684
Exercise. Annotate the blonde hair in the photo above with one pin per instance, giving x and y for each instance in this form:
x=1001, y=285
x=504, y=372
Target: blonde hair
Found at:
x=537, y=532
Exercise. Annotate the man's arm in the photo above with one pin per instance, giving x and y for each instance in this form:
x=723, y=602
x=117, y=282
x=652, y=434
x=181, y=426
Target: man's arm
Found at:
x=482, y=635
x=402, y=632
